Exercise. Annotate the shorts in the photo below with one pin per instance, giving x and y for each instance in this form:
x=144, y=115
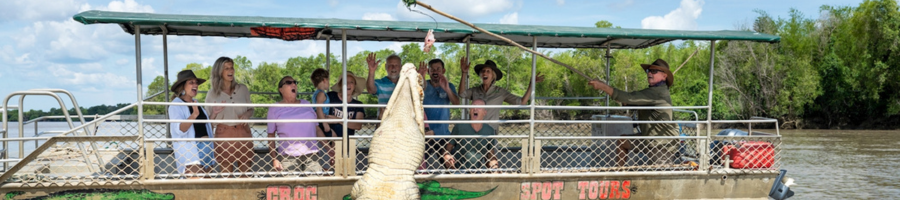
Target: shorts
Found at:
x=207, y=157
x=231, y=151
x=304, y=163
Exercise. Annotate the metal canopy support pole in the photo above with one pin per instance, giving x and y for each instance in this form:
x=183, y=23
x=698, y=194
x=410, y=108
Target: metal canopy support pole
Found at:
x=464, y=112
x=344, y=137
x=4, y=154
x=140, y=91
x=166, y=75
x=704, y=158
x=327, y=57
x=22, y=125
x=608, y=77
x=534, y=87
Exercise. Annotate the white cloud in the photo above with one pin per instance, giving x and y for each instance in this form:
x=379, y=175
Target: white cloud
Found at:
x=120, y=6
x=512, y=18
x=122, y=61
x=90, y=67
x=682, y=18
x=560, y=2
x=75, y=55
x=333, y=2
x=35, y=10
x=74, y=79
x=465, y=9
x=397, y=46
x=148, y=63
x=192, y=49
x=378, y=16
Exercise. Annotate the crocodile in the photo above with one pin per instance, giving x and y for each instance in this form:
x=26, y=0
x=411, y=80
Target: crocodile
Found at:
x=397, y=145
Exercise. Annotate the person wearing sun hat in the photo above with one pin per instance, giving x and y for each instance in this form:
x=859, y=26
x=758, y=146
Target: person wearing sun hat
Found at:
x=489, y=91
x=355, y=85
x=191, y=156
x=660, y=79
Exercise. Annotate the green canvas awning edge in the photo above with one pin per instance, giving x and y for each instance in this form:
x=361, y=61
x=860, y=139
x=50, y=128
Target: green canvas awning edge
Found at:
x=372, y=30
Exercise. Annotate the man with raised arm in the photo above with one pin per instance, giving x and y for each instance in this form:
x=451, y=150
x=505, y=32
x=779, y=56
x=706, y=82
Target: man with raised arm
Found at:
x=659, y=78
x=384, y=87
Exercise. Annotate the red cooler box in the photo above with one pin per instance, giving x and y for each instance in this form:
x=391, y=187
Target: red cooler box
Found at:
x=753, y=154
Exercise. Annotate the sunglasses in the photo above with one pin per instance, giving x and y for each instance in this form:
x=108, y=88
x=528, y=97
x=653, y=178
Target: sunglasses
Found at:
x=290, y=82
x=652, y=71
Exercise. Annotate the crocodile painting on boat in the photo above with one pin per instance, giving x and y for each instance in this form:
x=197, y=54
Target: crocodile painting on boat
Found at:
x=97, y=194
x=432, y=190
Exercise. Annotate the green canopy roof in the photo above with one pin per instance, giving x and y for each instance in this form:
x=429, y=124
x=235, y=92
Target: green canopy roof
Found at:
x=411, y=31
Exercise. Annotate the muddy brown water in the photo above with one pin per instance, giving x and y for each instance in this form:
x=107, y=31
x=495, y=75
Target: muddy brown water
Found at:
x=843, y=164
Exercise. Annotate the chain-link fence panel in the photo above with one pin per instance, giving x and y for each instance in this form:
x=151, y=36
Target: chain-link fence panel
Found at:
x=236, y=158
x=591, y=154
x=461, y=155
x=745, y=153
x=82, y=160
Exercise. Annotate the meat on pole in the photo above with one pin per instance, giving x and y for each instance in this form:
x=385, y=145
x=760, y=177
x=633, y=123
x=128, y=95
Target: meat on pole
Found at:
x=497, y=36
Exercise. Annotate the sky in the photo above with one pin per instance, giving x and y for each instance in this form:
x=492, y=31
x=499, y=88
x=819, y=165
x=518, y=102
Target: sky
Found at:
x=42, y=47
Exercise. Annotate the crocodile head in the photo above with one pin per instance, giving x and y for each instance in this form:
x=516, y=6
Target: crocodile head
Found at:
x=409, y=90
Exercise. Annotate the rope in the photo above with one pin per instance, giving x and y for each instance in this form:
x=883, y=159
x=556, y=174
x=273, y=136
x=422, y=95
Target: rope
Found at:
x=498, y=37
x=423, y=13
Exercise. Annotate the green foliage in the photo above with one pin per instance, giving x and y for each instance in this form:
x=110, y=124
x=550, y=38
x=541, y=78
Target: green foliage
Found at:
x=93, y=110
x=861, y=45
x=833, y=70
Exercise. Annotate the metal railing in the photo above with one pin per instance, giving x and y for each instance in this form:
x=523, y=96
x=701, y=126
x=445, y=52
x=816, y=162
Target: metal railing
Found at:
x=518, y=149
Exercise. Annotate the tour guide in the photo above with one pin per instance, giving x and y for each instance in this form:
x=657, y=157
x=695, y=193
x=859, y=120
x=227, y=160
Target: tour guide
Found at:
x=660, y=78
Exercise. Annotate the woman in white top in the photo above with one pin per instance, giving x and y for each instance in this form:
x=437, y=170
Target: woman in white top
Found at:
x=191, y=156
x=225, y=89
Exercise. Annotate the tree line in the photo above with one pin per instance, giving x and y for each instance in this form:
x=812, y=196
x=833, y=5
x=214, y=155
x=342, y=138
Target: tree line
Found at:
x=834, y=71
x=90, y=111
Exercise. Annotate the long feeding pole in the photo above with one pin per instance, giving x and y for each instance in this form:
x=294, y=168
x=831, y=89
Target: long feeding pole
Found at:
x=502, y=38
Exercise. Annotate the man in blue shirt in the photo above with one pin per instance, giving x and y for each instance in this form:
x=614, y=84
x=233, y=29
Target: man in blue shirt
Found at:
x=438, y=91
x=384, y=87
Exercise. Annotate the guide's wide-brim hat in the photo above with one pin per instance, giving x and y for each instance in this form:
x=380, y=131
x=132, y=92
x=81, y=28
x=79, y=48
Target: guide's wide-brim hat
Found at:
x=661, y=65
x=184, y=76
x=493, y=66
x=360, y=85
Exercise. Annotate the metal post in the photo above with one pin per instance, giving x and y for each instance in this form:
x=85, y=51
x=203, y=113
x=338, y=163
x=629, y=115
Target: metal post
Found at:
x=712, y=60
x=533, y=88
x=464, y=112
x=5, y=153
x=704, y=158
x=166, y=75
x=327, y=56
x=149, y=167
x=608, y=78
x=22, y=127
x=344, y=137
x=35, y=133
x=140, y=98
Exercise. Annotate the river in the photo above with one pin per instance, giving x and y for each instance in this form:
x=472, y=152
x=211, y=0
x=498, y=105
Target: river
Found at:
x=826, y=164
x=843, y=164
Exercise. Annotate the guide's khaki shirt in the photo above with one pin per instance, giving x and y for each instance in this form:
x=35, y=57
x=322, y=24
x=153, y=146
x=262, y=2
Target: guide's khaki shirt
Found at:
x=652, y=96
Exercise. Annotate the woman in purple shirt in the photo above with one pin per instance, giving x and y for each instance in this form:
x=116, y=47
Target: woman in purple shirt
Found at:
x=293, y=155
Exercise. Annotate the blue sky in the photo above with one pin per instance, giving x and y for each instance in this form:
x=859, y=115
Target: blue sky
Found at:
x=42, y=47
